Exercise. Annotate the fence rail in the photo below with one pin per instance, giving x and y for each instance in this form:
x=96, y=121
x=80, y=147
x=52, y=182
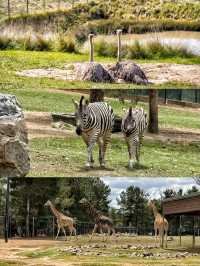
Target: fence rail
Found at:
x=11, y=8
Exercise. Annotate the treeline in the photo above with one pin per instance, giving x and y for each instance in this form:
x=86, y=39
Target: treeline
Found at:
x=28, y=196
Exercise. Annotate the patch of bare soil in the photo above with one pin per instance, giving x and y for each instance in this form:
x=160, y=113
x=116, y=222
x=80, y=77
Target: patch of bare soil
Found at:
x=40, y=125
x=11, y=251
x=157, y=73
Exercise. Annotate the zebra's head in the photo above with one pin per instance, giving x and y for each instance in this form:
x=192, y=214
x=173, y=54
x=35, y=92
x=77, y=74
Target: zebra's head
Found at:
x=129, y=122
x=81, y=114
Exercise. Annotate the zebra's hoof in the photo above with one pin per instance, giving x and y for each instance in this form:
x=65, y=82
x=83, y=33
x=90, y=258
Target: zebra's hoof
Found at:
x=87, y=166
x=130, y=164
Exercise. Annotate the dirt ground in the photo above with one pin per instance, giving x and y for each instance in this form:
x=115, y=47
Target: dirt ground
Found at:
x=60, y=252
x=157, y=73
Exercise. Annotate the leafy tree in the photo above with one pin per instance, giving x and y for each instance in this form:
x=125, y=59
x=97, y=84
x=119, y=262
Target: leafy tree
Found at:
x=133, y=205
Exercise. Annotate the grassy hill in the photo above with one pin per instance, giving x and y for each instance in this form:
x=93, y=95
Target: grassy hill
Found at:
x=115, y=11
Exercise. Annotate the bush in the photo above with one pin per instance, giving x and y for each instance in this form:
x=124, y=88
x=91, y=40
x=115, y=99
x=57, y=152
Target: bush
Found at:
x=67, y=44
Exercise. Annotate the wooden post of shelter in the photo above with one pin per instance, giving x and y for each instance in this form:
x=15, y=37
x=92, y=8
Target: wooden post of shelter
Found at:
x=6, y=222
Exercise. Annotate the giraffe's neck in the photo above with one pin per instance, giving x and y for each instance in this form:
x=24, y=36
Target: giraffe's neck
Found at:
x=94, y=213
x=54, y=210
x=155, y=211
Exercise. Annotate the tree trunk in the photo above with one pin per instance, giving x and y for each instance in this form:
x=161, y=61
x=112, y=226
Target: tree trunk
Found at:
x=96, y=95
x=8, y=6
x=153, y=111
x=27, y=6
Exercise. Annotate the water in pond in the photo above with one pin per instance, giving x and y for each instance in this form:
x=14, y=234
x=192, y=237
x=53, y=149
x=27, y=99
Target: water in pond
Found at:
x=187, y=39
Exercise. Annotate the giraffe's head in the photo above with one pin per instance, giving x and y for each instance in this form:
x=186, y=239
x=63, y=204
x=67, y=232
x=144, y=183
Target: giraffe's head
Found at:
x=81, y=114
x=151, y=204
x=48, y=203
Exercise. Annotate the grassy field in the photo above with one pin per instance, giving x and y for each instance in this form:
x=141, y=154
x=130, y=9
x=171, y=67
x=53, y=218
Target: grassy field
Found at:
x=12, y=61
x=67, y=157
x=98, y=252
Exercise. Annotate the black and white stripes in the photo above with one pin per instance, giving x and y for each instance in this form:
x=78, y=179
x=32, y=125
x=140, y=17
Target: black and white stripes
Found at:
x=94, y=121
x=133, y=126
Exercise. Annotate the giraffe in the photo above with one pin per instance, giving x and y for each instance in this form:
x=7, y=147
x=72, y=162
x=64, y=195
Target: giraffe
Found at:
x=62, y=220
x=160, y=224
x=102, y=222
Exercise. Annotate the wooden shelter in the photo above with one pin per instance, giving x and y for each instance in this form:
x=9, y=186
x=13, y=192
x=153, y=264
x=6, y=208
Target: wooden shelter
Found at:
x=186, y=205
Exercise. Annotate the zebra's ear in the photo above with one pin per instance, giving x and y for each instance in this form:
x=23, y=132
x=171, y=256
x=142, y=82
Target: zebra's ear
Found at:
x=75, y=103
x=130, y=111
x=86, y=102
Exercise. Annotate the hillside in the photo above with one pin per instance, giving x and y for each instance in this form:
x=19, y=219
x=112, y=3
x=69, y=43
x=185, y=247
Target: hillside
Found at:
x=119, y=10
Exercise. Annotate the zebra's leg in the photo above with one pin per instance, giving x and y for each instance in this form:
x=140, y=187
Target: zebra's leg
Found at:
x=100, y=143
x=131, y=153
x=106, y=140
x=86, y=140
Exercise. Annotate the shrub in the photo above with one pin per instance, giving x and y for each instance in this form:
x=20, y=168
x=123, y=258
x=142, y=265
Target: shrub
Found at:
x=67, y=44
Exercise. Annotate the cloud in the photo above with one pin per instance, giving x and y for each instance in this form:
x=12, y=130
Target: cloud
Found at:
x=153, y=186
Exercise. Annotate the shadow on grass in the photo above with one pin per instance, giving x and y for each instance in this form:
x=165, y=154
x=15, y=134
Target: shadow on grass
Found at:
x=137, y=167
x=185, y=249
x=95, y=168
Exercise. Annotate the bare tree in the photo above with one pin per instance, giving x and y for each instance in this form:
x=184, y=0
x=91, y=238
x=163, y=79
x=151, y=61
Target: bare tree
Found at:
x=153, y=111
x=27, y=6
x=8, y=8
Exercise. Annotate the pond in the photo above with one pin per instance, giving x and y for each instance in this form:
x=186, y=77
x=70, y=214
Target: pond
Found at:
x=187, y=39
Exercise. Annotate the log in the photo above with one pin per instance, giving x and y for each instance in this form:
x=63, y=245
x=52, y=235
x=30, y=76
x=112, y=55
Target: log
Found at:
x=70, y=119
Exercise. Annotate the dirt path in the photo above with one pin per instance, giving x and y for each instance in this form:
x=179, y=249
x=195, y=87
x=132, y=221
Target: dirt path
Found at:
x=157, y=73
x=40, y=125
x=12, y=250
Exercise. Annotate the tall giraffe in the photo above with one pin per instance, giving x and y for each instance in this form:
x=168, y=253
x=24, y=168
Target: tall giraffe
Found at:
x=102, y=222
x=62, y=220
x=160, y=224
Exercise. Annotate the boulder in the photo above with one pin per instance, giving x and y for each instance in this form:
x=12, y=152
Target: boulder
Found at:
x=14, y=156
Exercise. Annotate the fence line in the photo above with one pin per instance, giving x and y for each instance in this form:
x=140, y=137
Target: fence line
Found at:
x=11, y=8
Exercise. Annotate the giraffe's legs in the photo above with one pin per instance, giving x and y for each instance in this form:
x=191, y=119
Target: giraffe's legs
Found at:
x=58, y=232
x=94, y=231
x=64, y=233
x=166, y=231
x=156, y=234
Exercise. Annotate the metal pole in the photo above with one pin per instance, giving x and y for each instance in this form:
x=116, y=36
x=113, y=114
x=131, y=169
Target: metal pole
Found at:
x=180, y=230
x=33, y=227
x=6, y=224
x=53, y=227
x=193, y=240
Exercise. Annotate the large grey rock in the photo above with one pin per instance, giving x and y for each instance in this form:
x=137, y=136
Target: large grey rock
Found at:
x=14, y=156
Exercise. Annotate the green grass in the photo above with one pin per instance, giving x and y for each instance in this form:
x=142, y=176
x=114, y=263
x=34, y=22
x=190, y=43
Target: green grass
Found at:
x=12, y=61
x=67, y=157
x=47, y=101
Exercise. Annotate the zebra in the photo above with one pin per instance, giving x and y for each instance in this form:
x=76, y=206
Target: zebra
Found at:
x=94, y=122
x=133, y=126
x=102, y=222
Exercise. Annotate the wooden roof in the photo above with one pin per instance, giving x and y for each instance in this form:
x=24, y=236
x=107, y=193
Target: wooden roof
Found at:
x=188, y=205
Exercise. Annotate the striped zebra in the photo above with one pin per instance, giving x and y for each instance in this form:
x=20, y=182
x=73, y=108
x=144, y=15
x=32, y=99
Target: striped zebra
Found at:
x=94, y=122
x=133, y=126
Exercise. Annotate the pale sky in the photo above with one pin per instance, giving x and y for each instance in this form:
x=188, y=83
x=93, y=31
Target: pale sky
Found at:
x=153, y=186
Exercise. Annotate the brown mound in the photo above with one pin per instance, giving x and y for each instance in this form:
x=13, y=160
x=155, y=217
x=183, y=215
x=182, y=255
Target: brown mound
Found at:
x=93, y=72
x=129, y=72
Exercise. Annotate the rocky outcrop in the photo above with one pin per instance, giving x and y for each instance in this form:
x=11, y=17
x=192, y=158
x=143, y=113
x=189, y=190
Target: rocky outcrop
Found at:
x=14, y=156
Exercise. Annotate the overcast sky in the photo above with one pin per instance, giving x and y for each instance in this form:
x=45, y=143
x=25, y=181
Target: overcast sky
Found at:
x=153, y=186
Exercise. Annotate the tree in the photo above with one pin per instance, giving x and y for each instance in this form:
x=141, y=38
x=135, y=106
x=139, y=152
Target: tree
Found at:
x=153, y=111
x=134, y=208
